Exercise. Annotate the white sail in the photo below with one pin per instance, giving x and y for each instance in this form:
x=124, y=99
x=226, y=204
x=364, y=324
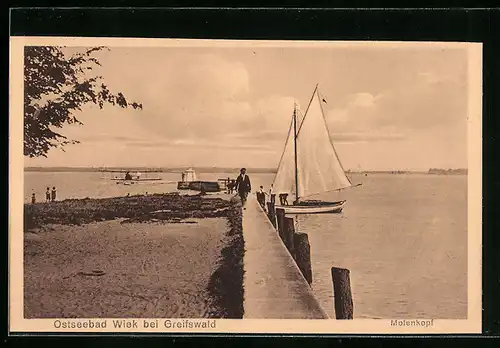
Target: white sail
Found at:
x=284, y=181
x=319, y=168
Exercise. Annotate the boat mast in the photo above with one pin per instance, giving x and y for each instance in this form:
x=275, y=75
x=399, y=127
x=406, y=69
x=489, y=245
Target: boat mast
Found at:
x=295, y=152
x=308, y=105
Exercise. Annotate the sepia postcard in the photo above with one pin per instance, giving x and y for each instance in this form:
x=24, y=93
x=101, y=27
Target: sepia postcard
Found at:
x=219, y=186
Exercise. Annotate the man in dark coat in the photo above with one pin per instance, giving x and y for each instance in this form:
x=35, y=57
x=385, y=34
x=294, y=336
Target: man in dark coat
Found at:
x=243, y=185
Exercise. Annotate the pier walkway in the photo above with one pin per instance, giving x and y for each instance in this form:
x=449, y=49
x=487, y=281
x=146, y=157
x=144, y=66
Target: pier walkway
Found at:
x=274, y=287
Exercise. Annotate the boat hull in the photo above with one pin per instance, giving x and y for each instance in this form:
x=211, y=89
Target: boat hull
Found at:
x=207, y=186
x=183, y=185
x=323, y=208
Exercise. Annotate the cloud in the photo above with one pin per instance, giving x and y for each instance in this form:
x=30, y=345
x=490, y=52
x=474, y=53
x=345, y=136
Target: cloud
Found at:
x=427, y=102
x=197, y=101
x=225, y=142
x=432, y=77
x=231, y=105
x=260, y=135
x=365, y=137
x=429, y=77
x=362, y=100
x=218, y=77
x=274, y=113
x=182, y=92
x=198, y=143
x=338, y=116
x=104, y=137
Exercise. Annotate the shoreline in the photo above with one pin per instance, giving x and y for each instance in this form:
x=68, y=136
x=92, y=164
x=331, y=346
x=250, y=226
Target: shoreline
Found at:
x=171, y=207
x=226, y=283
x=192, y=247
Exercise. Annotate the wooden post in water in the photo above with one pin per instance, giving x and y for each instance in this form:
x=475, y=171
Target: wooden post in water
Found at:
x=271, y=213
x=280, y=218
x=344, y=306
x=288, y=232
x=302, y=255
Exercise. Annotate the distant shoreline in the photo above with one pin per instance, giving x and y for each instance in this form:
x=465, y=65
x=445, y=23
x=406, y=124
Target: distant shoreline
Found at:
x=432, y=171
x=146, y=169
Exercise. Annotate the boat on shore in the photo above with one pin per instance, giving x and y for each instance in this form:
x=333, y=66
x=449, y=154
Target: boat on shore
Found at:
x=309, y=165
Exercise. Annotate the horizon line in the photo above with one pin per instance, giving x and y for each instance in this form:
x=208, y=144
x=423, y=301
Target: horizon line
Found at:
x=237, y=167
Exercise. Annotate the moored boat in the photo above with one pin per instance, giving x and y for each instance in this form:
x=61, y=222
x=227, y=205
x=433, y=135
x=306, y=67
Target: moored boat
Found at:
x=309, y=165
x=313, y=207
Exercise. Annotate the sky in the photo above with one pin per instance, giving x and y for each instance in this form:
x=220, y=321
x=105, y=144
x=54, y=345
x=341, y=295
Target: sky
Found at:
x=387, y=108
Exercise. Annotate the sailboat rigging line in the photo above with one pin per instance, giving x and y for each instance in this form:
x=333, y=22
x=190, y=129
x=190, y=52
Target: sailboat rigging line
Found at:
x=283, y=153
x=301, y=115
x=330, y=137
x=340, y=189
x=295, y=151
x=305, y=115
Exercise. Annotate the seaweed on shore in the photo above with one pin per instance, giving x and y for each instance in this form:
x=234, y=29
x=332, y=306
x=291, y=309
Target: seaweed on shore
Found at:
x=226, y=283
x=168, y=207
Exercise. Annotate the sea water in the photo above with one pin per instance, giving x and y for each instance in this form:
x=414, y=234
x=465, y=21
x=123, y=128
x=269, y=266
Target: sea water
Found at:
x=403, y=237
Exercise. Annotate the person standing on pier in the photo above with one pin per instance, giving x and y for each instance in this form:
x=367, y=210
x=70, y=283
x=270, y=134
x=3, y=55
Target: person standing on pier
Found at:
x=243, y=186
x=261, y=197
x=283, y=198
x=272, y=194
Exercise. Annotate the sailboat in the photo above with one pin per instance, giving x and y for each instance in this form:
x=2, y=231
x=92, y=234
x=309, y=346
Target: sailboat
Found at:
x=309, y=165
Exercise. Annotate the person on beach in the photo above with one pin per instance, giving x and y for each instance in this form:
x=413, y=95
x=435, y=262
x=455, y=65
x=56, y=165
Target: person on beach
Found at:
x=53, y=194
x=272, y=195
x=47, y=195
x=243, y=186
x=128, y=176
x=33, y=198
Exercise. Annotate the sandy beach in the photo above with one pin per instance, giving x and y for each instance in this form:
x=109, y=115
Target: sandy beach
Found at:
x=177, y=268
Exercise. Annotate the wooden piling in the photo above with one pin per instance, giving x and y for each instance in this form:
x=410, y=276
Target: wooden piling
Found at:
x=280, y=219
x=288, y=233
x=344, y=306
x=271, y=213
x=302, y=255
